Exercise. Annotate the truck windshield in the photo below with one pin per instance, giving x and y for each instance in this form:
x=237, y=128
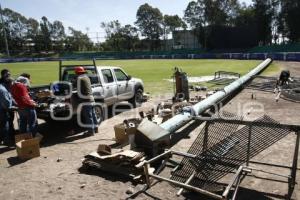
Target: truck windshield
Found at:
x=120, y=75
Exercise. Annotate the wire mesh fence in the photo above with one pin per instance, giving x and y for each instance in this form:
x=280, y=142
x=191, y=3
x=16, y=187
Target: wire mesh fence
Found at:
x=221, y=148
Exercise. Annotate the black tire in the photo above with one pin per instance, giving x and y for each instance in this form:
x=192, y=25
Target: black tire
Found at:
x=137, y=99
x=99, y=114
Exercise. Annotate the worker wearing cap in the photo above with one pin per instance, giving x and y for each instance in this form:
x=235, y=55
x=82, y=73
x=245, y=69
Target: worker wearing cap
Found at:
x=6, y=104
x=27, y=113
x=85, y=95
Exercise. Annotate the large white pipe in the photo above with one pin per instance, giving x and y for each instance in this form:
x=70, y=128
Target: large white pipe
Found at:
x=180, y=120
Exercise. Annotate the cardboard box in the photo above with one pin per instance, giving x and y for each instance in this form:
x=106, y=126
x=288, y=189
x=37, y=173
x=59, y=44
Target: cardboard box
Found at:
x=104, y=149
x=24, y=136
x=28, y=147
x=122, y=132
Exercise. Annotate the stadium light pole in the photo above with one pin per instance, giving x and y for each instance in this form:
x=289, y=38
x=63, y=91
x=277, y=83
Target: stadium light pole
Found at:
x=4, y=32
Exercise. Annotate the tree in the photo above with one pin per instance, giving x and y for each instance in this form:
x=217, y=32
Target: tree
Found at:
x=32, y=28
x=214, y=14
x=111, y=27
x=149, y=21
x=131, y=36
x=202, y=13
x=30, y=35
x=264, y=12
x=45, y=34
x=15, y=24
x=245, y=17
x=290, y=15
x=58, y=35
x=78, y=41
x=194, y=14
x=171, y=23
x=119, y=38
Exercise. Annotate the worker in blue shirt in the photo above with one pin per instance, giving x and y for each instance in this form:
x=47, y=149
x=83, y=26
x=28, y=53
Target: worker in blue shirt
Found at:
x=6, y=104
x=5, y=76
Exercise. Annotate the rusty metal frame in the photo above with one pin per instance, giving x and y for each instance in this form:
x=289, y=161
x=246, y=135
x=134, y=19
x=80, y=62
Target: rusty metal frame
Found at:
x=234, y=184
x=294, y=128
x=241, y=172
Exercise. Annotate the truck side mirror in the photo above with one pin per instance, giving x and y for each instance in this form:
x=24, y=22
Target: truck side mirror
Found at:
x=129, y=77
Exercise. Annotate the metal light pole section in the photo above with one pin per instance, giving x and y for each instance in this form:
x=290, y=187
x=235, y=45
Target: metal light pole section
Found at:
x=4, y=32
x=180, y=120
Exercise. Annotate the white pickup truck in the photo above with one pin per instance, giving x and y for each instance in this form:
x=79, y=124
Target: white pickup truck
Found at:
x=110, y=85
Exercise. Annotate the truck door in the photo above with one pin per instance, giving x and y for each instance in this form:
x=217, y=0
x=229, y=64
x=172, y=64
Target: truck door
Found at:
x=109, y=87
x=125, y=86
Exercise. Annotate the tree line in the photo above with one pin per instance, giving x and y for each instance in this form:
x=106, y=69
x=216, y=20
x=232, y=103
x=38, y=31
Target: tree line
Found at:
x=27, y=35
x=264, y=22
x=216, y=24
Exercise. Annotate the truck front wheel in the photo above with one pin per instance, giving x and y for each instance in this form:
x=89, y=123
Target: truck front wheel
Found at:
x=137, y=99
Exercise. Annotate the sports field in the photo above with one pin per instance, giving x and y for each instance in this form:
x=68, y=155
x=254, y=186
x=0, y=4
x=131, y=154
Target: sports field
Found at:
x=152, y=72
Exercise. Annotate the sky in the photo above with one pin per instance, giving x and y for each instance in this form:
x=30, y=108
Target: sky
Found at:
x=86, y=15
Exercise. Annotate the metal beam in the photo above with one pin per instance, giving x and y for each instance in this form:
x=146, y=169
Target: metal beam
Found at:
x=187, y=186
x=233, y=181
x=180, y=120
x=292, y=180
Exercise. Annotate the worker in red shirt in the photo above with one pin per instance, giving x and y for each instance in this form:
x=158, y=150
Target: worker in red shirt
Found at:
x=27, y=113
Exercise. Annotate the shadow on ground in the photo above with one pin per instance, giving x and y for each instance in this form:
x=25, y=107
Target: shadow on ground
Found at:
x=13, y=161
x=4, y=148
x=243, y=194
x=106, y=175
x=66, y=131
x=184, y=133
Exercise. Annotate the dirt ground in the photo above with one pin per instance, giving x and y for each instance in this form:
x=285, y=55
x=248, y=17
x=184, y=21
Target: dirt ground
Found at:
x=56, y=175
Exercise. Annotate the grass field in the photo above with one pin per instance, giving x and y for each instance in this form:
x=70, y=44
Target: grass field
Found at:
x=152, y=72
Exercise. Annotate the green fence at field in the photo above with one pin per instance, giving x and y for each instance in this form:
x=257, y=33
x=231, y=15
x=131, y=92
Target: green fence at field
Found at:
x=287, y=52
x=140, y=54
x=132, y=54
x=276, y=48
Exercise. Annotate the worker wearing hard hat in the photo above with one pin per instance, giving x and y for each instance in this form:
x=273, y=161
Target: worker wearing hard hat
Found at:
x=85, y=95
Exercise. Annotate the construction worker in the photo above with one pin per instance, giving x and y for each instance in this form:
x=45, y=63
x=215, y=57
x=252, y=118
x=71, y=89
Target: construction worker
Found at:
x=5, y=80
x=5, y=75
x=84, y=88
x=6, y=105
x=283, y=79
x=27, y=113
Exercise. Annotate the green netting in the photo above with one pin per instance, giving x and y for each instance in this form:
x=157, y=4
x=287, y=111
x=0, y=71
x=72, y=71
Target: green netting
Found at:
x=276, y=48
x=132, y=54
